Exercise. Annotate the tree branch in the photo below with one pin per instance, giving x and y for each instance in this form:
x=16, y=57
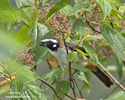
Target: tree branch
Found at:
x=5, y=74
x=92, y=27
x=111, y=76
x=113, y=90
x=49, y=64
x=70, y=72
x=78, y=88
x=50, y=87
x=65, y=93
x=25, y=23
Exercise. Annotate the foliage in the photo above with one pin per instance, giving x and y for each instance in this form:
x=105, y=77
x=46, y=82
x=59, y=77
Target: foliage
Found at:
x=96, y=25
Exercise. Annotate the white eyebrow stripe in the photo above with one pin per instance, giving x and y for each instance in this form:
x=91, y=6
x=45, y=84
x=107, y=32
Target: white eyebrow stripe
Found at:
x=45, y=40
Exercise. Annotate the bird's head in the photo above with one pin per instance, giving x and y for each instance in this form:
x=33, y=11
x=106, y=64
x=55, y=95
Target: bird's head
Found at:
x=50, y=43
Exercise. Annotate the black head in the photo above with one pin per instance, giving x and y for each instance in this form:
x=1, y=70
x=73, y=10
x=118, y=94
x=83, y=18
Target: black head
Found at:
x=50, y=43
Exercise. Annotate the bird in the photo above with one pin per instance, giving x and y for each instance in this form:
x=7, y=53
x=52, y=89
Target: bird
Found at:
x=60, y=53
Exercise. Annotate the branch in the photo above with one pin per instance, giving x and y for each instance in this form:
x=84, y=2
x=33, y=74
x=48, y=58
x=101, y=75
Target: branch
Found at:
x=92, y=27
x=70, y=72
x=113, y=90
x=5, y=74
x=65, y=93
x=111, y=76
x=71, y=80
x=78, y=88
x=24, y=22
x=50, y=87
x=49, y=64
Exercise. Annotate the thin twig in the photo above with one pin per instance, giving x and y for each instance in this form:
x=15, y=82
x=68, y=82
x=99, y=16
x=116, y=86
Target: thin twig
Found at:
x=78, y=88
x=65, y=93
x=24, y=22
x=70, y=72
x=111, y=76
x=65, y=44
x=70, y=80
x=87, y=21
x=111, y=23
x=5, y=74
x=47, y=21
x=113, y=90
x=93, y=13
x=92, y=27
x=49, y=64
x=92, y=22
x=50, y=87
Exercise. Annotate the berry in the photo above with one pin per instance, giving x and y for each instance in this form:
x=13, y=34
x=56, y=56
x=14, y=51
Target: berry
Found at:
x=67, y=20
x=71, y=36
x=73, y=33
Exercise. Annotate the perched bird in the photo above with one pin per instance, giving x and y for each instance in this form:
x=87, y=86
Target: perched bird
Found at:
x=59, y=51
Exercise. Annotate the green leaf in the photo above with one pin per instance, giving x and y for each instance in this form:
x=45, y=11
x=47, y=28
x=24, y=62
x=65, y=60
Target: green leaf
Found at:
x=65, y=86
x=93, y=37
x=106, y=7
x=38, y=33
x=85, y=76
x=10, y=17
x=122, y=9
x=27, y=9
x=72, y=57
x=44, y=2
x=117, y=14
x=67, y=10
x=80, y=75
x=8, y=47
x=86, y=87
x=1, y=69
x=116, y=41
x=16, y=89
x=91, y=53
x=22, y=34
x=83, y=6
x=58, y=6
x=22, y=72
x=21, y=3
x=8, y=52
x=119, y=66
x=5, y=4
x=79, y=26
x=29, y=92
x=52, y=75
x=32, y=92
x=16, y=86
x=33, y=32
x=4, y=89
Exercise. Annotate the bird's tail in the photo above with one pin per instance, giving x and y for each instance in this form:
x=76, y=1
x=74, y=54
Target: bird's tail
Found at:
x=103, y=77
x=100, y=74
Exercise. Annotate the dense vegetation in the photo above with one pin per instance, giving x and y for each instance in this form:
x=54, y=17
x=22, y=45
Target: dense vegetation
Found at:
x=97, y=25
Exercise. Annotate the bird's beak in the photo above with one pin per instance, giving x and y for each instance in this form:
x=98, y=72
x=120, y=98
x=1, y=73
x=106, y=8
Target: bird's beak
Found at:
x=42, y=43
